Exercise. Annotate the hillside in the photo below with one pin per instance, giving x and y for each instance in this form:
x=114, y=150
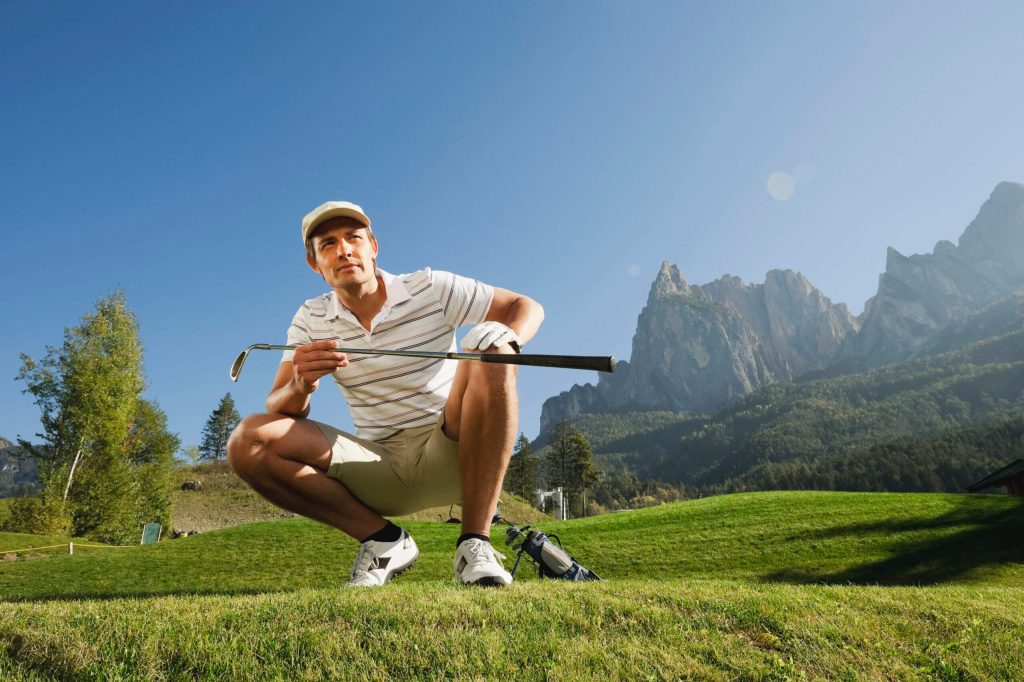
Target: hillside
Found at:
x=752, y=586
x=978, y=384
x=224, y=500
x=824, y=420
x=949, y=461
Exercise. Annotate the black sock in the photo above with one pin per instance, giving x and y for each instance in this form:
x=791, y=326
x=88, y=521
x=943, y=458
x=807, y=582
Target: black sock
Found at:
x=466, y=536
x=389, y=533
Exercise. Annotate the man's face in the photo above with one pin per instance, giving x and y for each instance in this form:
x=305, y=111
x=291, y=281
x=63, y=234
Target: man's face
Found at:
x=344, y=253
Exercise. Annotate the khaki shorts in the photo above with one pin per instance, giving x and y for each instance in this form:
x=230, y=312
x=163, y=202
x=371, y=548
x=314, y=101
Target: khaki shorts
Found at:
x=410, y=470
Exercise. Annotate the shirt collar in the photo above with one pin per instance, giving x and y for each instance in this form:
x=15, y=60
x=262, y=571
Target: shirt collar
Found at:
x=394, y=287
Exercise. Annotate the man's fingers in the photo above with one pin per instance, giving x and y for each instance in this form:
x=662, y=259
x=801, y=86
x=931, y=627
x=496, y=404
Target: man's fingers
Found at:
x=498, y=337
x=318, y=345
x=319, y=350
x=488, y=335
x=328, y=362
x=323, y=356
x=494, y=338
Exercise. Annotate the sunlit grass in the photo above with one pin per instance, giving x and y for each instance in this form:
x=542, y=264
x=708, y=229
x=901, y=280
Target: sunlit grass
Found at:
x=764, y=585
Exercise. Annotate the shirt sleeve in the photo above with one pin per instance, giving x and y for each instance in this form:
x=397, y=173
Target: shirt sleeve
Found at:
x=298, y=333
x=463, y=300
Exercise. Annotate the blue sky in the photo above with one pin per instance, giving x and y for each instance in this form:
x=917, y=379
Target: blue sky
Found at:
x=563, y=150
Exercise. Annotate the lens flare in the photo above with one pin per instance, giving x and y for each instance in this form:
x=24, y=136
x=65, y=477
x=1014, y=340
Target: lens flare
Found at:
x=780, y=186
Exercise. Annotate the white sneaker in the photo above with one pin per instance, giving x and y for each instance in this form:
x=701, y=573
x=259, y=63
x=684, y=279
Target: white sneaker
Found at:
x=379, y=562
x=477, y=563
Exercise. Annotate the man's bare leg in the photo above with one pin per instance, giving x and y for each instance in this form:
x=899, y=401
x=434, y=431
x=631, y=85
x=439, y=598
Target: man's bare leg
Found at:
x=482, y=414
x=286, y=460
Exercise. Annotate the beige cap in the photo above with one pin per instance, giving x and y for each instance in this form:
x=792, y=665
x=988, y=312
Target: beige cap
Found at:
x=328, y=210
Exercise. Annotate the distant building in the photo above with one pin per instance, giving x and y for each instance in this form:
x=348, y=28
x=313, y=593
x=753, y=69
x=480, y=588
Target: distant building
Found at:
x=557, y=499
x=1011, y=476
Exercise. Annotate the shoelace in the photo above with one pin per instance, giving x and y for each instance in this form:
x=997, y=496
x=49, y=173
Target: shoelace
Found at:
x=483, y=552
x=363, y=560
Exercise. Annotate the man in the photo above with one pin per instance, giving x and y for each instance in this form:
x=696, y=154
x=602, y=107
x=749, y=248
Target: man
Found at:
x=427, y=433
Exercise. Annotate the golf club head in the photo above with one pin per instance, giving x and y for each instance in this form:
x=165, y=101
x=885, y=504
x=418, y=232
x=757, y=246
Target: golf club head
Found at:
x=236, y=366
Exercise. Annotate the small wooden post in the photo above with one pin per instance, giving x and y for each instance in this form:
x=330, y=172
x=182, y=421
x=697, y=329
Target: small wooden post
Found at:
x=71, y=548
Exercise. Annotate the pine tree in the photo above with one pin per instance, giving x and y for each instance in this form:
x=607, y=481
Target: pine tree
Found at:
x=557, y=464
x=570, y=464
x=584, y=472
x=521, y=477
x=219, y=426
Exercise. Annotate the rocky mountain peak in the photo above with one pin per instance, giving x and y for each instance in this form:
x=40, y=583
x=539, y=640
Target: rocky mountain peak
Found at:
x=920, y=295
x=698, y=347
x=669, y=282
x=790, y=282
x=997, y=233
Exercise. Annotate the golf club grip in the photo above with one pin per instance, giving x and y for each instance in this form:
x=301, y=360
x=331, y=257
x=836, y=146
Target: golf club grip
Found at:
x=601, y=363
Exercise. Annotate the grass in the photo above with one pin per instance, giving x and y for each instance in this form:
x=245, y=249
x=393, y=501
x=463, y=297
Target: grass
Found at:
x=621, y=630
x=753, y=586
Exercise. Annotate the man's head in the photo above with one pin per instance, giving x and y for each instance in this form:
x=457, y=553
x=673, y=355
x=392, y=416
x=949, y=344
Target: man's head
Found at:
x=340, y=245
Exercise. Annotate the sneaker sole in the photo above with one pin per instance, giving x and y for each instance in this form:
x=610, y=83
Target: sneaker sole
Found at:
x=402, y=570
x=484, y=582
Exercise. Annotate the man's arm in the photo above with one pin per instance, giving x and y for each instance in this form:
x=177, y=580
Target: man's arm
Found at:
x=521, y=313
x=296, y=380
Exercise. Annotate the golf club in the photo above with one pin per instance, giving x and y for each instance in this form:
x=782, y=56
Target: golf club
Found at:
x=601, y=363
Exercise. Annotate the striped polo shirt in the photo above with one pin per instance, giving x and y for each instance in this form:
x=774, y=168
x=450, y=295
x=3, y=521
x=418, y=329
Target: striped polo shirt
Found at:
x=422, y=312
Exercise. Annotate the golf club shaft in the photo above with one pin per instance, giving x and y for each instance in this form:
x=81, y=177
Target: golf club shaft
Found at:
x=600, y=363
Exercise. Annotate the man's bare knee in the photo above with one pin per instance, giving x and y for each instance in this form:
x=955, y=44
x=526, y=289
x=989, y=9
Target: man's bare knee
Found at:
x=495, y=378
x=245, y=443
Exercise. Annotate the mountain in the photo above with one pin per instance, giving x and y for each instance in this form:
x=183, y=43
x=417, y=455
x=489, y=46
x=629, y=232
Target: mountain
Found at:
x=938, y=422
x=812, y=421
x=18, y=475
x=697, y=348
x=922, y=295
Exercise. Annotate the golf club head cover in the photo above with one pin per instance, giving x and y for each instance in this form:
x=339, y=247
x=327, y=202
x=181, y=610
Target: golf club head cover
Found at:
x=490, y=335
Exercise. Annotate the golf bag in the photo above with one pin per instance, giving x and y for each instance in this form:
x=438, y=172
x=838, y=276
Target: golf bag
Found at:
x=552, y=561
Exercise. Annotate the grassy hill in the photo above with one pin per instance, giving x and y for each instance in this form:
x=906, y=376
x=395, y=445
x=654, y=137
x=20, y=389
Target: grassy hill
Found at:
x=224, y=500
x=753, y=586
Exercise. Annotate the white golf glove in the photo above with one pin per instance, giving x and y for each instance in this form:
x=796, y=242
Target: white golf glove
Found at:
x=490, y=334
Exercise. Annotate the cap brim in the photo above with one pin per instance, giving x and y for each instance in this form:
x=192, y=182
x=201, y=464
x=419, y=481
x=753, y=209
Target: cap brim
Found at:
x=339, y=212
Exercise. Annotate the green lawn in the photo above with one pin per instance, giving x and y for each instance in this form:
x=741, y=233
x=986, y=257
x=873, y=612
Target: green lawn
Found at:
x=755, y=586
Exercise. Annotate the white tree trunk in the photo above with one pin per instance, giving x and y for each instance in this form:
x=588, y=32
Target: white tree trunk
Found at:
x=78, y=456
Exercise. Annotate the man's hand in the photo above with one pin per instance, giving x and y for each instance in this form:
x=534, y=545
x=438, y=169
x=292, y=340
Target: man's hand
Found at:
x=490, y=335
x=313, y=361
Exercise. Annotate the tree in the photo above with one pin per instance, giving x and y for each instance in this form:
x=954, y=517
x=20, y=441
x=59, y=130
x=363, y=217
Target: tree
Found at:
x=192, y=453
x=521, y=477
x=570, y=464
x=218, y=429
x=99, y=474
x=151, y=449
